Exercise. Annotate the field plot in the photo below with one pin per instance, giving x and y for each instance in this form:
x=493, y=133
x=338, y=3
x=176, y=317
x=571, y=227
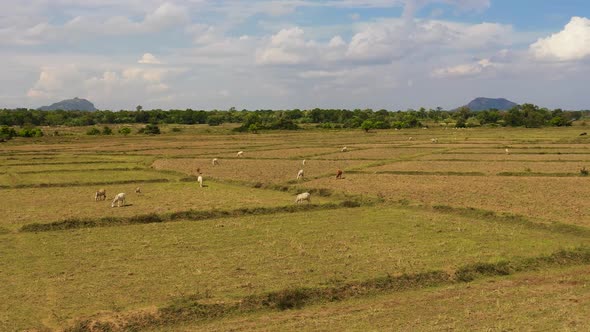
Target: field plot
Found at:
x=487, y=168
x=290, y=153
x=537, y=197
x=82, y=272
x=381, y=153
x=501, y=156
x=255, y=171
x=43, y=205
x=540, y=301
x=81, y=177
x=401, y=212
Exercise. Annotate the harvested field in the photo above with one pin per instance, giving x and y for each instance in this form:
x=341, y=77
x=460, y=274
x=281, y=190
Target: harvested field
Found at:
x=555, y=300
x=444, y=226
x=518, y=195
x=488, y=168
x=68, y=177
x=127, y=268
x=50, y=204
x=504, y=157
x=380, y=153
x=255, y=171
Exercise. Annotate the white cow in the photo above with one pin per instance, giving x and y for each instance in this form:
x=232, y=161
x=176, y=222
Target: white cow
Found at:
x=200, y=181
x=344, y=149
x=240, y=153
x=300, y=174
x=303, y=197
x=215, y=162
x=119, y=199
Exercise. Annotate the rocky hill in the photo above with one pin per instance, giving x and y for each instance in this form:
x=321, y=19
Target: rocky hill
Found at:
x=76, y=104
x=482, y=104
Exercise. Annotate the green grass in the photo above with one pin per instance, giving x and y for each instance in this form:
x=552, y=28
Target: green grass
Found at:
x=556, y=300
x=241, y=242
x=82, y=272
x=48, y=205
x=67, y=177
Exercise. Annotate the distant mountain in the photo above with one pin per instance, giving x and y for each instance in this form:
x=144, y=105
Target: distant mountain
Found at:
x=75, y=104
x=482, y=104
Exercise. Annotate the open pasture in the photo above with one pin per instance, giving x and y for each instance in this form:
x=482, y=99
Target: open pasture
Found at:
x=56, y=204
x=80, y=177
x=550, y=300
x=490, y=168
x=78, y=273
x=562, y=199
x=266, y=171
x=401, y=210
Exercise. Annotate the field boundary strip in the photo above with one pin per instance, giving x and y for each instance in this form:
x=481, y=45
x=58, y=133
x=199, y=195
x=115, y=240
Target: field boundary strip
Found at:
x=189, y=215
x=192, y=307
x=82, y=184
x=125, y=169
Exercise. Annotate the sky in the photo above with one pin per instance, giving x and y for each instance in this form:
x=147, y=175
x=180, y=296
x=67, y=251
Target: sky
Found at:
x=265, y=54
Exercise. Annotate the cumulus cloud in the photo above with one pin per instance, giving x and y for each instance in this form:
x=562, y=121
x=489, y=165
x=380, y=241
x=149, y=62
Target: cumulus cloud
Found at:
x=149, y=59
x=570, y=44
x=389, y=40
x=463, y=70
x=56, y=81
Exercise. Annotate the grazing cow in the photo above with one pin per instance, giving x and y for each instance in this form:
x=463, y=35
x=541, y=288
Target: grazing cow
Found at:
x=200, y=181
x=303, y=162
x=584, y=134
x=215, y=162
x=339, y=174
x=344, y=149
x=138, y=190
x=300, y=174
x=119, y=199
x=434, y=140
x=240, y=154
x=507, y=151
x=303, y=197
x=100, y=195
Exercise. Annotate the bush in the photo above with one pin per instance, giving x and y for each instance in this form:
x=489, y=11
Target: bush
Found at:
x=107, y=130
x=93, y=131
x=150, y=129
x=7, y=132
x=125, y=131
x=584, y=171
x=30, y=132
x=176, y=130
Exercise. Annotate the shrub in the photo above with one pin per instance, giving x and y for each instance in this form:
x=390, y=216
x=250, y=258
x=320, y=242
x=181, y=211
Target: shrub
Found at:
x=93, y=131
x=7, y=132
x=150, y=129
x=107, y=130
x=584, y=171
x=176, y=130
x=125, y=131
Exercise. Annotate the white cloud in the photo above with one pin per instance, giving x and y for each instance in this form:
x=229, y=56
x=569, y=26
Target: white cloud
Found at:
x=463, y=70
x=149, y=59
x=570, y=44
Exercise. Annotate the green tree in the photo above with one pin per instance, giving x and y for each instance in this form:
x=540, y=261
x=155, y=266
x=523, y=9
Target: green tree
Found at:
x=107, y=130
x=93, y=131
x=125, y=131
x=367, y=125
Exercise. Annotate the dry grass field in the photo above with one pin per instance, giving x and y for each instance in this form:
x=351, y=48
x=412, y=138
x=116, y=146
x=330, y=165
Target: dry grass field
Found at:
x=455, y=235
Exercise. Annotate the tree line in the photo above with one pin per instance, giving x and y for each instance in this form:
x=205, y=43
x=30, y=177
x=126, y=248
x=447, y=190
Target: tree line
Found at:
x=526, y=115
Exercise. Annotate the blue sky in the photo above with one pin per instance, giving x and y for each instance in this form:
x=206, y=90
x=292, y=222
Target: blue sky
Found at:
x=201, y=54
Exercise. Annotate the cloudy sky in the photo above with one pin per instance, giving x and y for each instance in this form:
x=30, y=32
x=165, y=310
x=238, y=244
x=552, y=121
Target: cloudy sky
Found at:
x=206, y=54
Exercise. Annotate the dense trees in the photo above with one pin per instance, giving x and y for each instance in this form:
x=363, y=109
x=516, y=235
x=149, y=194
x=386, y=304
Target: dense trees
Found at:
x=526, y=115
